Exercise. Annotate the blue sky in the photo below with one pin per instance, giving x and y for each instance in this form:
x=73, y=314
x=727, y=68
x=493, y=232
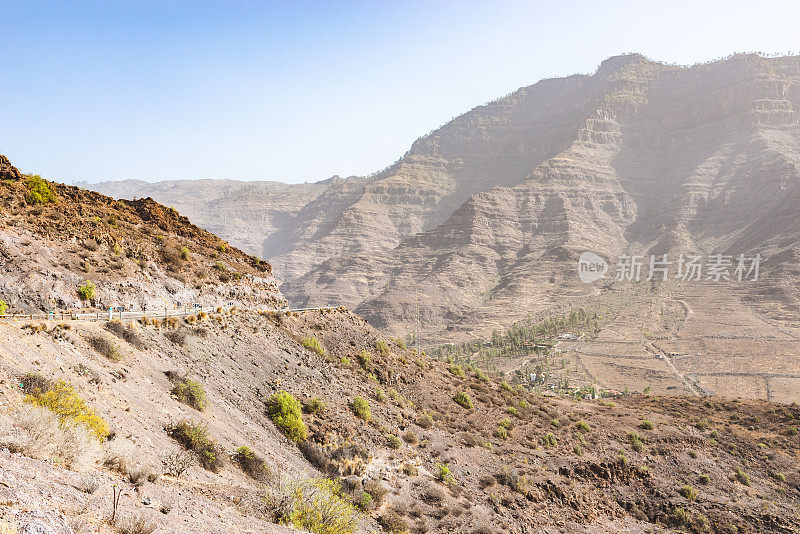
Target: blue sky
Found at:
x=299, y=91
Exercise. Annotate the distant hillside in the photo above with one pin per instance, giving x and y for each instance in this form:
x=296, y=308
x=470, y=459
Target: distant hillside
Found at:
x=482, y=222
x=639, y=156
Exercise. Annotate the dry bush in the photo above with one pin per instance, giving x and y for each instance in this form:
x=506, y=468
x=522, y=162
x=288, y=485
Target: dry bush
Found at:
x=139, y=524
x=377, y=491
x=38, y=433
x=105, y=348
x=88, y=484
x=128, y=333
x=251, y=463
x=178, y=337
x=393, y=523
x=177, y=463
x=195, y=437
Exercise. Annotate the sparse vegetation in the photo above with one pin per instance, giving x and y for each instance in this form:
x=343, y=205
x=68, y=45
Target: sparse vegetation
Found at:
x=176, y=464
x=742, y=477
x=87, y=291
x=443, y=474
x=364, y=358
x=315, y=505
x=549, y=440
x=105, y=347
x=688, y=491
x=314, y=406
x=393, y=523
x=636, y=442
x=285, y=412
x=3, y=307
x=194, y=437
x=646, y=425
x=462, y=398
x=456, y=370
x=190, y=392
x=583, y=426
x=313, y=344
x=382, y=347
x=393, y=442
x=61, y=399
x=360, y=407
x=39, y=191
x=251, y=463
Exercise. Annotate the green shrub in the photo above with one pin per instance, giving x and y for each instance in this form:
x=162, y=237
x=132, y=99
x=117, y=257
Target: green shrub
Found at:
x=513, y=411
x=549, y=440
x=636, y=442
x=3, y=307
x=702, y=424
x=505, y=385
x=87, y=291
x=506, y=423
x=284, y=411
x=61, y=399
x=194, y=437
x=360, y=407
x=500, y=432
x=393, y=442
x=463, y=399
x=316, y=506
x=742, y=477
x=646, y=425
x=313, y=344
x=185, y=253
x=190, y=392
x=382, y=347
x=578, y=450
x=688, y=492
x=480, y=375
x=39, y=191
x=363, y=501
x=364, y=358
x=790, y=431
x=380, y=396
x=443, y=474
x=251, y=463
x=399, y=342
x=583, y=426
x=705, y=479
x=456, y=370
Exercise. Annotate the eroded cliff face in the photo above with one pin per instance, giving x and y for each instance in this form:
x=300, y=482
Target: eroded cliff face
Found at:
x=484, y=218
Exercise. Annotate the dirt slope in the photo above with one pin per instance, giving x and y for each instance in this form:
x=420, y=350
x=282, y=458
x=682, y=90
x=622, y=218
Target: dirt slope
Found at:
x=563, y=465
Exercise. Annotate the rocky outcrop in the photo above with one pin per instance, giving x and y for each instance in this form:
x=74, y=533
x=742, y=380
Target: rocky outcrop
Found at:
x=8, y=171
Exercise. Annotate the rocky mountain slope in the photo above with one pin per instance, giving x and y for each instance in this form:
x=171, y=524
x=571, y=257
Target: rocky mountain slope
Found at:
x=252, y=419
x=484, y=218
x=56, y=239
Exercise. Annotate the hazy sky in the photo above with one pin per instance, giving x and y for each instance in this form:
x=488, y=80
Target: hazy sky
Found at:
x=299, y=91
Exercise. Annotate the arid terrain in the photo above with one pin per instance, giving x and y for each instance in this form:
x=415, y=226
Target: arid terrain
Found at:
x=482, y=221
x=254, y=418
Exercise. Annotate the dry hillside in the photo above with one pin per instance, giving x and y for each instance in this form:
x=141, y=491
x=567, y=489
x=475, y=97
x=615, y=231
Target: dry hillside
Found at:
x=252, y=421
